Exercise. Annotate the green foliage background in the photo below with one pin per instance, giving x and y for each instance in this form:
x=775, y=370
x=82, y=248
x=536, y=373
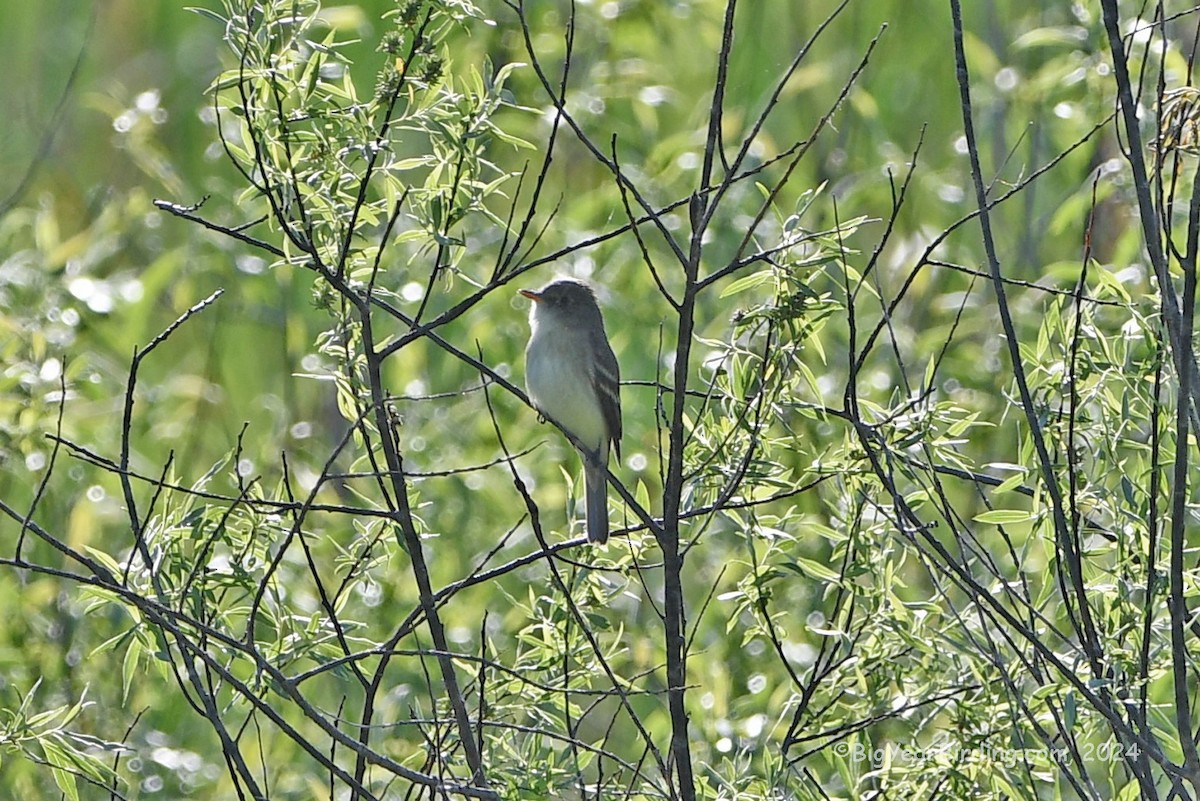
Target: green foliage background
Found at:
x=91, y=270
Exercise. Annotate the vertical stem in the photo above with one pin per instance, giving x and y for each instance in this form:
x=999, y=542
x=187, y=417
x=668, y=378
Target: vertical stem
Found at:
x=674, y=611
x=1085, y=627
x=1178, y=316
x=1176, y=603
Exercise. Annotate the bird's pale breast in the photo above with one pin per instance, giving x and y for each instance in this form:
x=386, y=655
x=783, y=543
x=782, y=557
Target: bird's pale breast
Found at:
x=560, y=385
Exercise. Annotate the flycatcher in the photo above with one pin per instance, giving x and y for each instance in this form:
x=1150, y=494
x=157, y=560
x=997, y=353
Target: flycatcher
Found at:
x=572, y=378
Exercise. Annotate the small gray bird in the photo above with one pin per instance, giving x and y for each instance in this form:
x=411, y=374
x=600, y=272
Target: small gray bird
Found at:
x=572, y=378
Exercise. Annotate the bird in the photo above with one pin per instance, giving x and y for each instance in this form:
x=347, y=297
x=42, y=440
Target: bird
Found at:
x=573, y=379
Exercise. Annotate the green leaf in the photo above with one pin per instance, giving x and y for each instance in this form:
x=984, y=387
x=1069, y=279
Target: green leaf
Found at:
x=642, y=494
x=130, y=665
x=61, y=765
x=1010, y=483
x=204, y=12
x=748, y=282
x=1001, y=517
x=818, y=570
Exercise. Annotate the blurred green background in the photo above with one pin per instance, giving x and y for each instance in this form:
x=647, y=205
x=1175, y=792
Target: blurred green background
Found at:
x=106, y=109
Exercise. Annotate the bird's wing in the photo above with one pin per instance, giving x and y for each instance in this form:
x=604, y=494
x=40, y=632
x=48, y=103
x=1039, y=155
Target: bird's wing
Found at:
x=607, y=383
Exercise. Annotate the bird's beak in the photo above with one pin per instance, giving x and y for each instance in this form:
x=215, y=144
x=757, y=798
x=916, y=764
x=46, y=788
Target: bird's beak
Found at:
x=529, y=293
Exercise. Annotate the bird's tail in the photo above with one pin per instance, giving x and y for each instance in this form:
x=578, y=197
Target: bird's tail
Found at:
x=596, y=492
